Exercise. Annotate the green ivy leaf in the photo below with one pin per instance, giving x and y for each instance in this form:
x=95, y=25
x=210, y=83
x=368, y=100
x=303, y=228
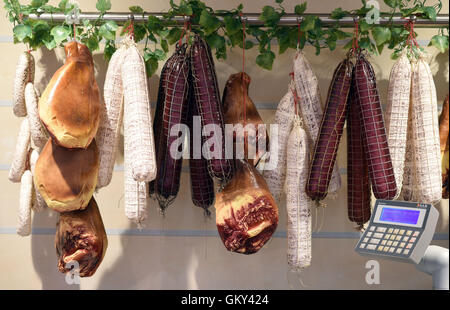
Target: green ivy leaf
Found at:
x=63, y=5
x=339, y=13
x=391, y=3
x=140, y=31
x=109, y=50
x=269, y=16
x=164, y=45
x=215, y=41
x=364, y=43
x=279, y=1
x=300, y=8
x=209, y=22
x=380, y=48
x=151, y=66
x=159, y=54
x=22, y=31
x=174, y=35
x=185, y=9
x=284, y=41
x=342, y=34
x=265, y=59
x=363, y=25
x=92, y=43
x=440, y=42
x=50, y=44
x=348, y=45
x=430, y=12
x=60, y=33
x=232, y=24
x=38, y=3
x=381, y=35
x=154, y=23
x=108, y=30
x=103, y=5
x=308, y=23
x=136, y=9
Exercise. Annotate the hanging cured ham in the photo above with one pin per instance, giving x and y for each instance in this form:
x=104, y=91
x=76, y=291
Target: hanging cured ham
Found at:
x=70, y=104
x=81, y=237
x=246, y=213
x=66, y=178
x=235, y=101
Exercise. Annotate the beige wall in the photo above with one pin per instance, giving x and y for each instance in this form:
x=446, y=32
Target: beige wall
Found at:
x=189, y=255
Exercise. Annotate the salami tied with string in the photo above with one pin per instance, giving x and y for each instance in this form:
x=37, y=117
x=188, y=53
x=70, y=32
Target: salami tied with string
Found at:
x=206, y=92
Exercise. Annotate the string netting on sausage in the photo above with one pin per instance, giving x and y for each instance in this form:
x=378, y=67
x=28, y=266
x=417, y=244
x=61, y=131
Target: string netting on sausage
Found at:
x=202, y=184
x=396, y=115
x=425, y=135
x=407, y=190
x=207, y=96
x=159, y=110
x=175, y=112
x=311, y=111
x=358, y=183
x=330, y=132
x=375, y=140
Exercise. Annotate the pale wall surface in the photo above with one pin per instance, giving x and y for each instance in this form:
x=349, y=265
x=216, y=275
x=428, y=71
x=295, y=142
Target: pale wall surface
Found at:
x=182, y=250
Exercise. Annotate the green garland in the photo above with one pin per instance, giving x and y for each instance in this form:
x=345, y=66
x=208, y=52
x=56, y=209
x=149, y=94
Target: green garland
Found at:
x=160, y=33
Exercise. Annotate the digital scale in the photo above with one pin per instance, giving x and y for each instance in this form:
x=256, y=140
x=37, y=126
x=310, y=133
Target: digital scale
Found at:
x=402, y=231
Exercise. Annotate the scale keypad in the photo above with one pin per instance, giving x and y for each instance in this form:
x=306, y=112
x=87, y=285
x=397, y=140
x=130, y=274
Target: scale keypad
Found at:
x=389, y=240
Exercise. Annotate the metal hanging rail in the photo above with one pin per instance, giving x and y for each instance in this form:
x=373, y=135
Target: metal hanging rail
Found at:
x=442, y=20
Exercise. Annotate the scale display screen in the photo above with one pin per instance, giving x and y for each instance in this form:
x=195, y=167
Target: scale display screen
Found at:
x=401, y=216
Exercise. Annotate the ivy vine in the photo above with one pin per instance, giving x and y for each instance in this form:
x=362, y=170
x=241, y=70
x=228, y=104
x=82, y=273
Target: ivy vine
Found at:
x=223, y=29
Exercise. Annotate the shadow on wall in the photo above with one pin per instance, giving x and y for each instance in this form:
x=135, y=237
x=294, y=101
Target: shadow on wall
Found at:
x=150, y=262
x=43, y=253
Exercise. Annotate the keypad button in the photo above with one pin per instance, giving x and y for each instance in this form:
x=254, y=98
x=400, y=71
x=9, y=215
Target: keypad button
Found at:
x=389, y=243
x=409, y=245
x=366, y=239
x=385, y=249
x=415, y=234
x=398, y=238
x=362, y=245
x=402, y=232
x=396, y=231
x=380, y=248
x=369, y=234
x=371, y=246
x=381, y=229
x=402, y=245
x=391, y=250
x=390, y=230
x=406, y=252
x=387, y=236
x=413, y=239
x=372, y=228
x=405, y=238
x=395, y=243
x=383, y=242
x=409, y=233
x=392, y=237
x=374, y=241
x=399, y=251
x=378, y=235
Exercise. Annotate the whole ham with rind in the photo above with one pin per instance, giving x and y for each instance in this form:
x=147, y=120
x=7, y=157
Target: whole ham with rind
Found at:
x=81, y=237
x=235, y=96
x=246, y=213
x=70, y=105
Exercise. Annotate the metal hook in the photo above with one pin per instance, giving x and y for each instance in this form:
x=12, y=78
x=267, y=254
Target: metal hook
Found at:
x=356, y=19
x=413, y=18
x=131, y=17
